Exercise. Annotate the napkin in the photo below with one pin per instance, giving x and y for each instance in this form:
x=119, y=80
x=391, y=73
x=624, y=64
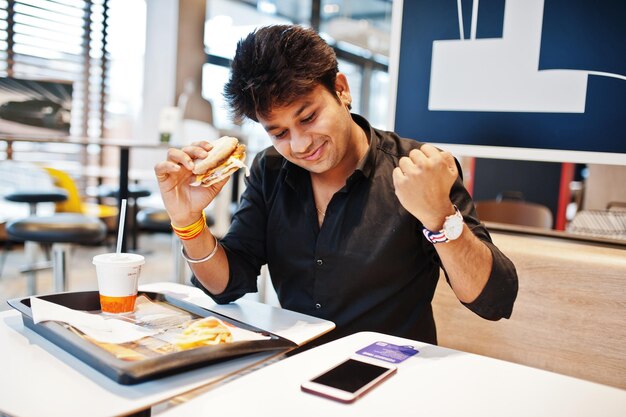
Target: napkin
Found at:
x=105, y=330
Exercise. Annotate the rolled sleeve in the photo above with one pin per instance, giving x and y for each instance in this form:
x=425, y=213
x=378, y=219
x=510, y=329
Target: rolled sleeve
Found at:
x=498, y=296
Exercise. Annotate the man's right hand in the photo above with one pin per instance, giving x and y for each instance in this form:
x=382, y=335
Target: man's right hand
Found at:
x=184, y=203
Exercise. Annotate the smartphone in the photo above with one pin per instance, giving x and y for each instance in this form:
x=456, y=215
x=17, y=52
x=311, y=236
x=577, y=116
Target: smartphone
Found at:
x=349, y=380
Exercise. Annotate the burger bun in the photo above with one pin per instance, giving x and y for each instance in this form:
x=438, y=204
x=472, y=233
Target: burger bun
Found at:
x=222, y=149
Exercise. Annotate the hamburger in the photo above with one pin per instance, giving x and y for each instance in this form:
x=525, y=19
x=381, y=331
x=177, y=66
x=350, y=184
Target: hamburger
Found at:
x=226, y=157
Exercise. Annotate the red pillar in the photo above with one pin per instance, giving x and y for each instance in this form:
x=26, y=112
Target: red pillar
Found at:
x=567, y=176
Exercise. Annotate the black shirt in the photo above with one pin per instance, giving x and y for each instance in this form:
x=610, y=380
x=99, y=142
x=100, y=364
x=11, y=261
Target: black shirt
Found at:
x=368, y=267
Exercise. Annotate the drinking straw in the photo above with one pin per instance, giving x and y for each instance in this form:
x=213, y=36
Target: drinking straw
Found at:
x=120, y=228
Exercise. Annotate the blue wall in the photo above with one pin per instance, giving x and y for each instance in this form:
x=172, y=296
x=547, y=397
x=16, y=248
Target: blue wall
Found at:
x=576, y=34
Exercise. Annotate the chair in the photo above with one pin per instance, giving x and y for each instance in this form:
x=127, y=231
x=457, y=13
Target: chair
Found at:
x=510, y=195
x=34, y=197
x=75, y=203
x=27, y=190
x=616, y=206
x=154, y=220
x=515, y=212
x=28, y=183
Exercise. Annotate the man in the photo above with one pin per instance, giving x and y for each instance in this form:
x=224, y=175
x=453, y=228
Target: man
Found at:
x=347, y=217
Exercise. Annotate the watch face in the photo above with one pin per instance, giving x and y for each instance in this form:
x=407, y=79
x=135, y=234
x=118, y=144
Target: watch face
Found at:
x=453, y=226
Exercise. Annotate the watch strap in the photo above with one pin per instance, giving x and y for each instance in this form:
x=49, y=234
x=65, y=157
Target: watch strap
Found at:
x=435, y=237
x=439, y=236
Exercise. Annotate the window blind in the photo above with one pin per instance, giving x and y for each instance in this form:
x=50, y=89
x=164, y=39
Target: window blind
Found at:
x=60, y=40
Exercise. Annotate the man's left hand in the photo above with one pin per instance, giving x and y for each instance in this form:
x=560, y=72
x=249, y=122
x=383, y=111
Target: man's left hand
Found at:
x=423, y=181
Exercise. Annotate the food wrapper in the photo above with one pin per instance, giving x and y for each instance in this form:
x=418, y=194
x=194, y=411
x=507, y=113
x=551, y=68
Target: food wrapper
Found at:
x=95, y=326
x=152, y=330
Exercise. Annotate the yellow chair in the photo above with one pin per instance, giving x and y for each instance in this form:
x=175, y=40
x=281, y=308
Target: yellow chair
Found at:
x=75, y=203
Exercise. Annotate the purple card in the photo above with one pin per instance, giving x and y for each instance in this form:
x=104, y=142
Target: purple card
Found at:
x=388, y=352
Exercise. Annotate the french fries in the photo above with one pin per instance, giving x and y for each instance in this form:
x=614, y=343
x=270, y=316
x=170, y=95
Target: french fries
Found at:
x=121, y=352
x=204, y=332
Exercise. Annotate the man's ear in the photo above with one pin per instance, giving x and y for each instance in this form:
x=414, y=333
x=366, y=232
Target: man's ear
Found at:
x=343, y=89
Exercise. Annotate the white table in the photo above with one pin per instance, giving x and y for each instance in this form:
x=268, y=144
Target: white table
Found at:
x=38, y=378
x=435, y=382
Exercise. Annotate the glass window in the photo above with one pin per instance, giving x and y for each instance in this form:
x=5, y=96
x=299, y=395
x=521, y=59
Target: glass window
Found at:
x=98, y=47
x=362, y=23
x=45, y=41
x=227, y=22
x=379, y=99
x=126, y=50
x=359, y=30
x=355, y=81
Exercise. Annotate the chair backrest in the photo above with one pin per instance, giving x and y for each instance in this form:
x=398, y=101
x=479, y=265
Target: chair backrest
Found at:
x=515, y=212
x=616, y=205
x=74, y=203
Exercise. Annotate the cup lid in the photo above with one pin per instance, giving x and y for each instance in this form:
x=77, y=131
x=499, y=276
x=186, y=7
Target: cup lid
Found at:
x=119, y=259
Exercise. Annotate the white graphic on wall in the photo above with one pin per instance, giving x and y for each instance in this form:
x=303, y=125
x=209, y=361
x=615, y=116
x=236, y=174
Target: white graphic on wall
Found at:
x=502, y=74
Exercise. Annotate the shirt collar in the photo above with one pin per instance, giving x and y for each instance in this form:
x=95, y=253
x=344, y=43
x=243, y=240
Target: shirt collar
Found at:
x=367, y=163
x=365, y=166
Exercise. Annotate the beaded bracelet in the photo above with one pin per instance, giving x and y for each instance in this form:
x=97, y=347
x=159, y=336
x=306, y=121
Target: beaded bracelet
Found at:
x=191, y=231
x=197, y=261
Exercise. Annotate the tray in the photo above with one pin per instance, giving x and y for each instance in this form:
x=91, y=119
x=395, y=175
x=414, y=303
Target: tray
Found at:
x=132, y=372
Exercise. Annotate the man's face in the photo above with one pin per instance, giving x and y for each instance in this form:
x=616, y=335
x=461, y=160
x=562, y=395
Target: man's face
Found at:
x=313, y=132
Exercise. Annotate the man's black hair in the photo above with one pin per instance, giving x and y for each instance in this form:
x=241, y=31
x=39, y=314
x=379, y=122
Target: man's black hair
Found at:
x=274, y=65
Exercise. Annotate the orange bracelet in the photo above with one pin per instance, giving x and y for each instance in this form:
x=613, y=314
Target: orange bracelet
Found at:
x=191, y=231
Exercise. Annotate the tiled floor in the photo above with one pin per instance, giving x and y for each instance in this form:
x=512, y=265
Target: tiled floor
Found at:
x=157, y=248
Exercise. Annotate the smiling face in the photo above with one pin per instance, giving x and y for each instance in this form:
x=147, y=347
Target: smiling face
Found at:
x=316, y=131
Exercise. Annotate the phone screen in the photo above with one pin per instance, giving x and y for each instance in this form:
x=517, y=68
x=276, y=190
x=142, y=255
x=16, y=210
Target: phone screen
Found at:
x=350, y=375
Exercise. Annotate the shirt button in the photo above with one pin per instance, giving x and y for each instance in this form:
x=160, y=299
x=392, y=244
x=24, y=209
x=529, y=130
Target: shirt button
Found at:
x=318, y=306
x=319, y=262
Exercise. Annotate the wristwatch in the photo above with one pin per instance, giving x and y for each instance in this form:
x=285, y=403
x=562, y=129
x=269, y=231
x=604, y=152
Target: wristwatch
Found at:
x=452, y=229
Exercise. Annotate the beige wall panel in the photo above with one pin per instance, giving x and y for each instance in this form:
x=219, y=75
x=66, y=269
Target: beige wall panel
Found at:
x=606, y=183
x=569, y=317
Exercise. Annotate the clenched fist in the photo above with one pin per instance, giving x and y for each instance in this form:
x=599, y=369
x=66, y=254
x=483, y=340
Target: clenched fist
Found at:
x=423, y=181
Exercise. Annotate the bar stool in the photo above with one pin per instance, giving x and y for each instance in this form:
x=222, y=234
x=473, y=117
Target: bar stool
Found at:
x=154, y=220
x=134, y=192
x=34, y=197
x=61, y=230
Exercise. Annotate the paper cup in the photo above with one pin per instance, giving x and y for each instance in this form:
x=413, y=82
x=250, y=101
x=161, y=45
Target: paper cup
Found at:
x=118, y=275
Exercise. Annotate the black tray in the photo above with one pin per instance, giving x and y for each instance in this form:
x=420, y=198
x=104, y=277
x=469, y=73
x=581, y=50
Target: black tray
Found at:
x=125, y=372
